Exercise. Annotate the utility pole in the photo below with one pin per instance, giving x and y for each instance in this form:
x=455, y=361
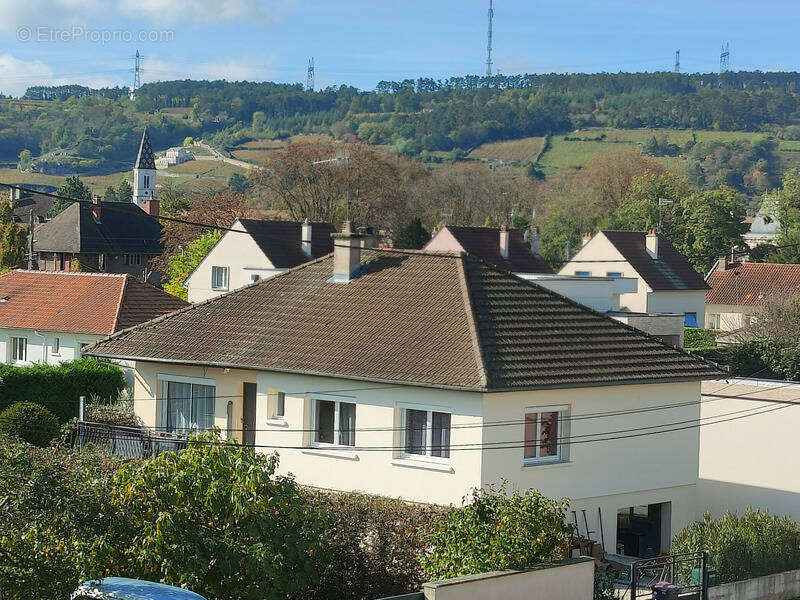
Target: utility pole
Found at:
x=677, y=61
x=489, y=44
x=310, y=75
x=30, y=240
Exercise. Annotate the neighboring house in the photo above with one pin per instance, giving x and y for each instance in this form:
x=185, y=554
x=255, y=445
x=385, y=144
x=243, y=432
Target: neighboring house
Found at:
x=50, y=317
x=256, y=250
x=765, y=227
x=507, y=249
x=667, y=283
x=109, y=237
x=422, y=375
x=747, y=453
x=174, y=156
x=23, y=203
x=737, y=290
x=518, y=252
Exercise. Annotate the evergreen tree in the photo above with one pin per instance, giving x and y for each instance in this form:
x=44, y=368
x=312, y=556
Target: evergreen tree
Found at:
x=73, y=188
x=124, y=193
x=413, y=236
x=13, y=238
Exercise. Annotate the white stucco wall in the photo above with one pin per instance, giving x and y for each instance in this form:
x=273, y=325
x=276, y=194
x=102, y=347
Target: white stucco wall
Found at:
x=242, y=256
x=40, y=345
x=598, y=293
x=731, y=317
x=750, y=460
x=679, y=302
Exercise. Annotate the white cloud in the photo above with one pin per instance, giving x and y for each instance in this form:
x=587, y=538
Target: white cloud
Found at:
x=155, y=69
x=17, y=75
x=206, y=11
x=34, y=13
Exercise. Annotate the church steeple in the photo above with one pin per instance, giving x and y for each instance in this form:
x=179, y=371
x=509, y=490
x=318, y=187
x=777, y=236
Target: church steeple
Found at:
x=144, y=177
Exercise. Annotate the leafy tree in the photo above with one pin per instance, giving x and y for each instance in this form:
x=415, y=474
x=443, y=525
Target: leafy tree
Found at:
x=183, y=263
x=188, y=141
x=13, y=238
x=238, y=183
x=518, y=221
x=73, y=188
x=124, y=192
x=25, y=159
x=215, y=518
x=503, y=532
x=413, y=236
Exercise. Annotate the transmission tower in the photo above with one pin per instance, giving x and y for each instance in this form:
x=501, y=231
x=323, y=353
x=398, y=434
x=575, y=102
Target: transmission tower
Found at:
x=725, y=58
x=137, y=80
x=310, y=76
x=489, y=43
x=677, y=61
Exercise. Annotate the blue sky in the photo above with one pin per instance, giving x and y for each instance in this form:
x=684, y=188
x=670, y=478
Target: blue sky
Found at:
x=360, y=42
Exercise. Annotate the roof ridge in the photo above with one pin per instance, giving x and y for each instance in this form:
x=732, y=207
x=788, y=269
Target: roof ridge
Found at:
x=123, y=289
x=73, y=273
x=471, y=323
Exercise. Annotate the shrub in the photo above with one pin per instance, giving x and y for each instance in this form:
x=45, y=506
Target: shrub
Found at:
x=496, y=531
x=119, y=413
x=29, y=422
x=752, y=545
x=695, y=338
x=604, y=586
x=59, y=388
x=374, y=545
x=214, y=518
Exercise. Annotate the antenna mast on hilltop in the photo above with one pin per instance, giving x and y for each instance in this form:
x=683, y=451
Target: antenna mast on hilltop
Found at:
x=489, y=44
x=310, y=76
x=137, y=81
x=725, y=58
x=677, y=61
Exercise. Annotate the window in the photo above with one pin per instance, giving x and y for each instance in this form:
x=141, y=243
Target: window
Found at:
x=19, y=349
x=426, y=433
x=186, y=406
x=56, y=347
x=255, y=277
x=542, y=436
x=146, y=181
x=219, y=278
x=615, y=274
x=583, y=273
x=133, y=259
x=276, y=403
x=334, y=423
x=714, y=321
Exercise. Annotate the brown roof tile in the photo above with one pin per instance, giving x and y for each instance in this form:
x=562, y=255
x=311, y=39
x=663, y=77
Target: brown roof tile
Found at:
x=281, y=241
x=484, y=242
x=79, y=302
x=750, y=283
x=447, y=320
x=671, y=271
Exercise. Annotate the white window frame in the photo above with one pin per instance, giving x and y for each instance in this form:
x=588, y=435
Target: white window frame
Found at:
x=55, y=348
x=165, y=379
x=427, y=457
x=714, y=317
x=561, y=448
x=336, y=431
x=226, y=279
x=13, y=346
x=276, y=398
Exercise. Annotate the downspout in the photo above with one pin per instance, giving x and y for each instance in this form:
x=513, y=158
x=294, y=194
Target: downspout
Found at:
x=44, y=346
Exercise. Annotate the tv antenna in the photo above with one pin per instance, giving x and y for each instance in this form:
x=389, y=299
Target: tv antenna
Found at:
x=447, y=214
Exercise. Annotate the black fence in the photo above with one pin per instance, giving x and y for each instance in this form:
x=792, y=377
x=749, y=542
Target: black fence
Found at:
x=669, y=577
x=131, y=442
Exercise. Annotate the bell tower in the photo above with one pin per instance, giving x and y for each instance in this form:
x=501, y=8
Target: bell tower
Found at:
x=144, y=177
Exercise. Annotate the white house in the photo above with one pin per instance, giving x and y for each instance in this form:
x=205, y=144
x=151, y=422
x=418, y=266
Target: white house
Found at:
x=667, y=283
x=256, y=250
x=174, y=156
x=48, y=317
x=422, y=375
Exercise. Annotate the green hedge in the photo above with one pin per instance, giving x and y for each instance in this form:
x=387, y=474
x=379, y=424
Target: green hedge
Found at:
x=742, y=547
x=29, y=422
x=695, y=338
x=59, y=388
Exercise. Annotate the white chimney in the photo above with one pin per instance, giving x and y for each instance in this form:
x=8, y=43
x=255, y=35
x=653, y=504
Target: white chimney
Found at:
x=722, y=263
x=305, y=238
x=587, y=237
x=651, y=243
x=346, y=255
x=504, y=242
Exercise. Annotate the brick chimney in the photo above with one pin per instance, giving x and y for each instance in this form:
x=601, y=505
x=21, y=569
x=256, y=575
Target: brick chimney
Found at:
x=152, y=206
x=346, y=255
x=651, y=243
x=305, y=238
x=587, y=237
x=722, y=263
x=504, y=242
x=97, y=208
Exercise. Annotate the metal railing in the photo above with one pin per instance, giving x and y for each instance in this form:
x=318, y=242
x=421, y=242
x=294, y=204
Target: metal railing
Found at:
x=130, y=442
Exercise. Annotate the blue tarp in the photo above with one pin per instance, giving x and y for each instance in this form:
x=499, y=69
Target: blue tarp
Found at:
x=690, y=320
x=122, y=588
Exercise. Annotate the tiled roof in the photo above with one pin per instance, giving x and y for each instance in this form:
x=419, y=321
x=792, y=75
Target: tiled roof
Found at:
x=32, y=201
x=145, y=159
x=484, y=242
x=671, y=271
x=79, y=302
x=445, y=320
x=281, y=240
x=123, y=228
x=750, y=283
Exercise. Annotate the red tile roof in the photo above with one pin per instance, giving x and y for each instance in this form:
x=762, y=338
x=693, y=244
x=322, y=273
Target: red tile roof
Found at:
x=79, y=302
x=749, y=283
x=442, y=320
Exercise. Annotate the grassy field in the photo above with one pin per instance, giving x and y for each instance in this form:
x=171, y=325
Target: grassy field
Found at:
x=254, y=156
x=511, y=150
x=262, y=145
x=207, y=168
x=97, y=183
x=571, y=154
